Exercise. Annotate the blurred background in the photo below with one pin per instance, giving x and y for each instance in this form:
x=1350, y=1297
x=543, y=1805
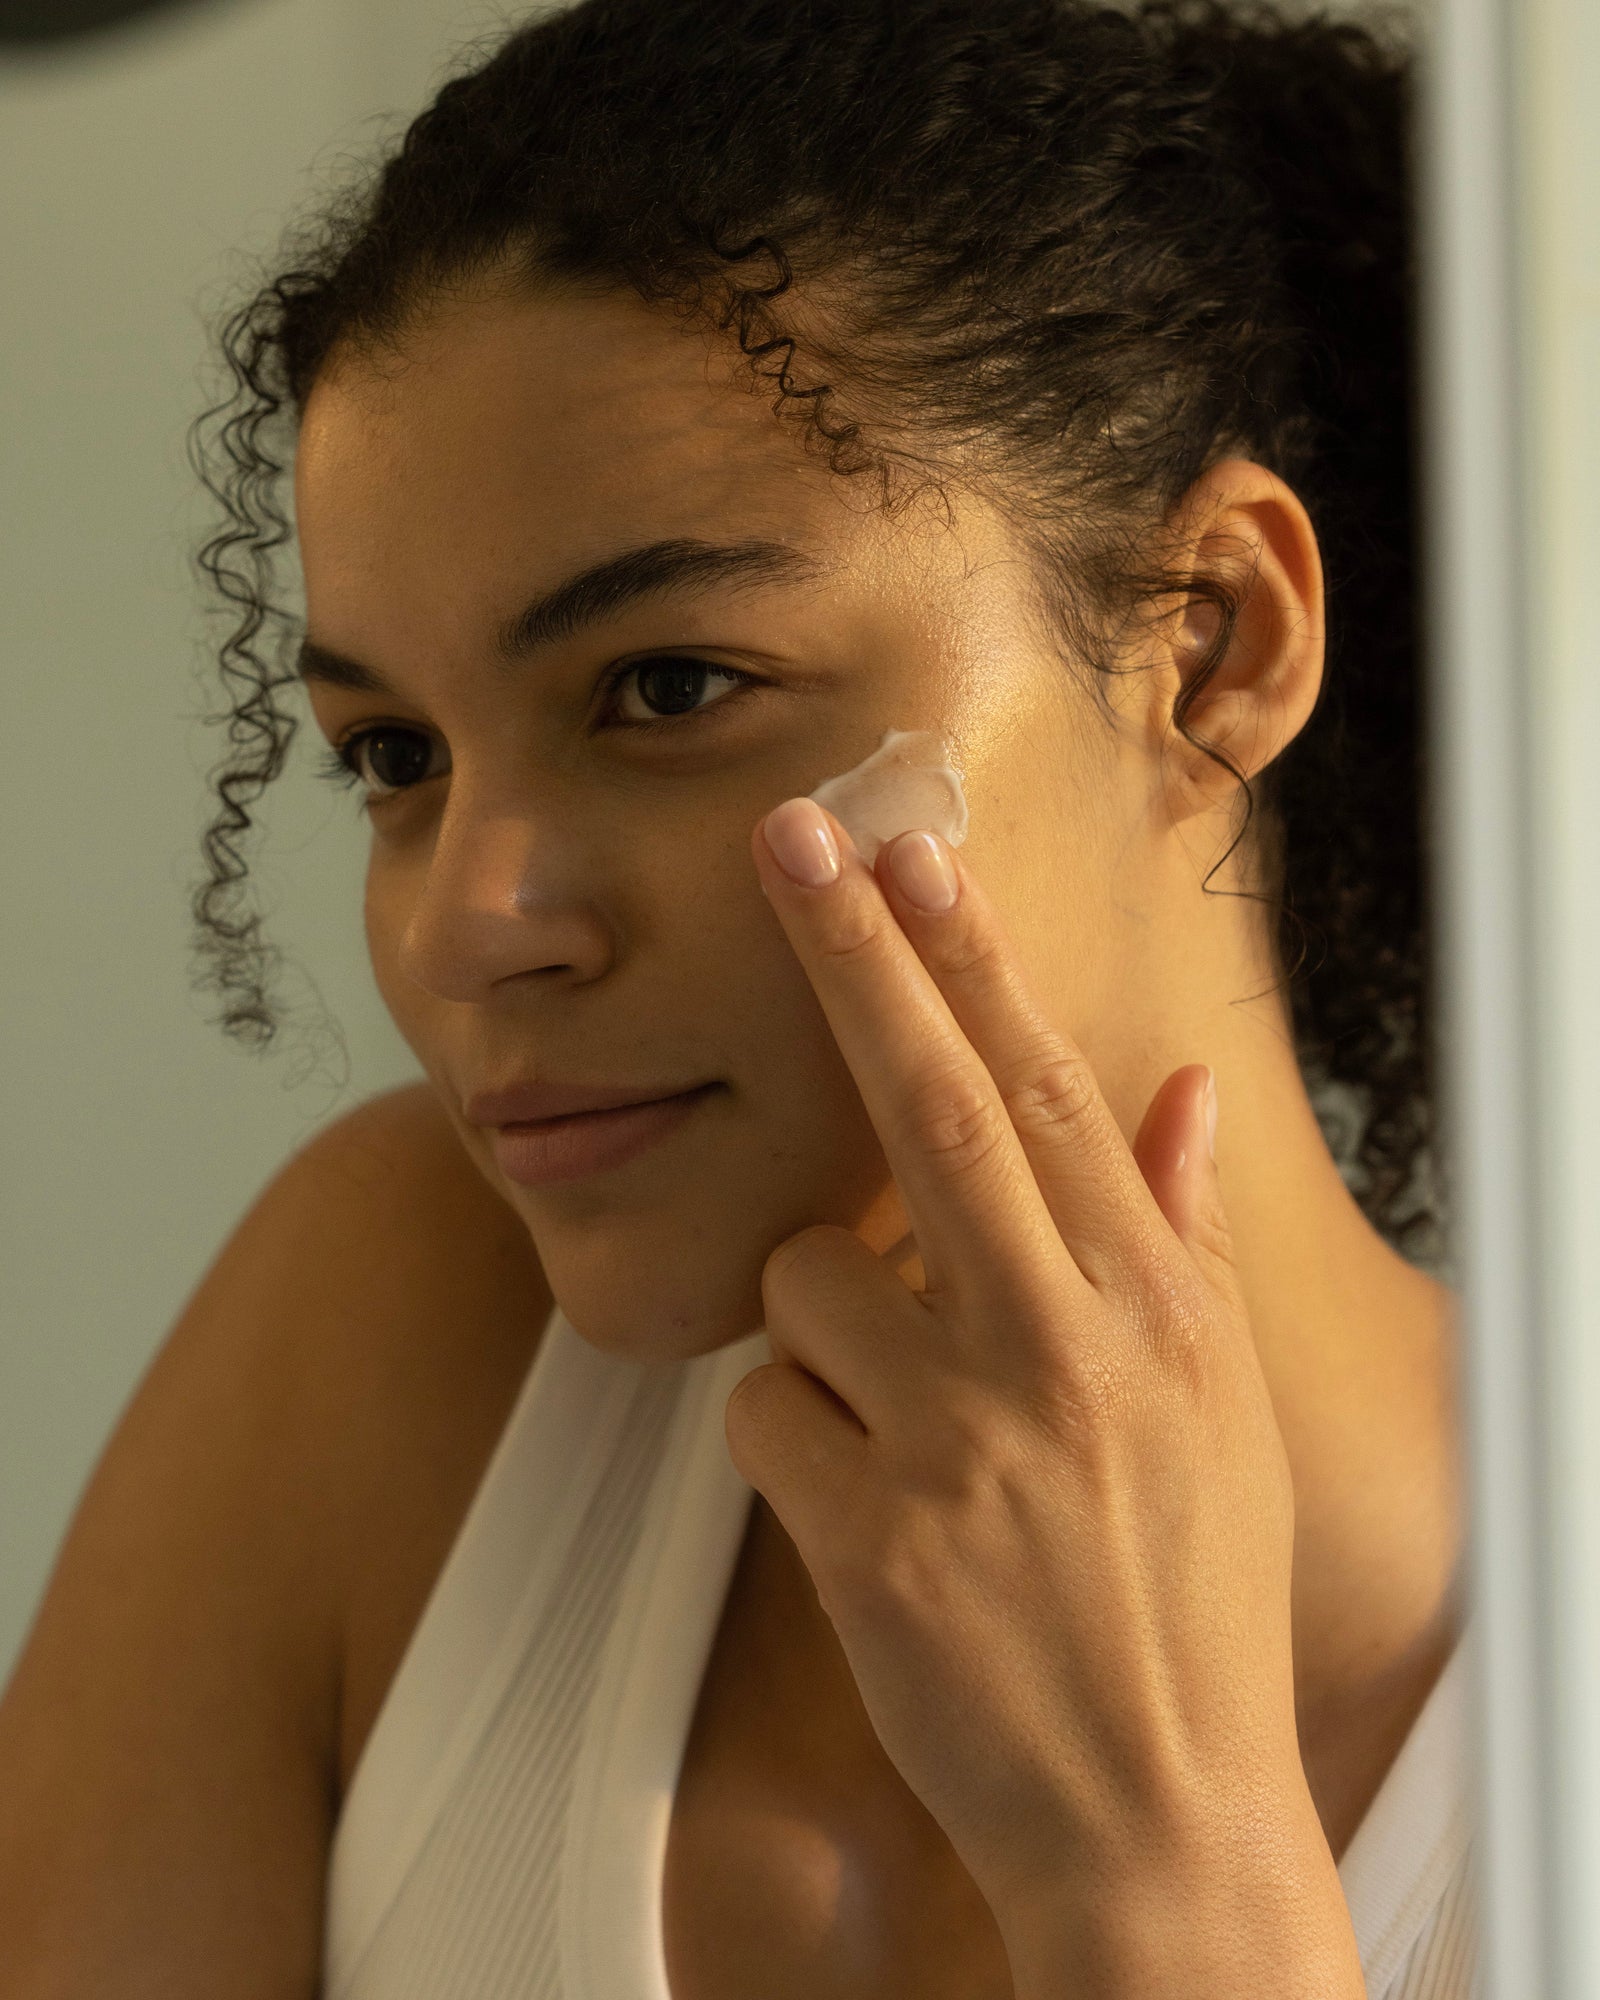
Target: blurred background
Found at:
x=147, y=159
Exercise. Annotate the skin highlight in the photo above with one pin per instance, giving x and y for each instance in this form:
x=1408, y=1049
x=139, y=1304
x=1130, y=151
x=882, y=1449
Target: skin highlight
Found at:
x=573, y=901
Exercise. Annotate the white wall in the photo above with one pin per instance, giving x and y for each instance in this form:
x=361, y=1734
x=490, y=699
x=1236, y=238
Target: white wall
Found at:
x=1514, y=383
x=1559, y=71
x=132, y=1135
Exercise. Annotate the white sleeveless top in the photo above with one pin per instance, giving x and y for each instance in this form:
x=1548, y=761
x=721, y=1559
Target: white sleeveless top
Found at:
x=505, y=1828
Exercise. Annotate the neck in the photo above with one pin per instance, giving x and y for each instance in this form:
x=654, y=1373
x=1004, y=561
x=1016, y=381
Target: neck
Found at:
x=1358, y=1348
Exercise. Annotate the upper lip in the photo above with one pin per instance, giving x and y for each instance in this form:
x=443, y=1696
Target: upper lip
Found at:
x=524, y=1103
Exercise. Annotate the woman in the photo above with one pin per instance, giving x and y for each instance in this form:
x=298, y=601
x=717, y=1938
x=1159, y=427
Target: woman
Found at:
x=854, y=1437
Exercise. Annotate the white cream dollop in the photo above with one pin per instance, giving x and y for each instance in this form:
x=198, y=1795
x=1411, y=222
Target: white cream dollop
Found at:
x=906, y=782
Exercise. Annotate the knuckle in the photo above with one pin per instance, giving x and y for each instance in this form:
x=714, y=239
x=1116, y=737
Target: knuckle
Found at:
x=974, y=951
x=909, y=1570
x=1188, y=1344
x=962, y=1444
x=799, y=1253
x=856, y=933
x=1078, y=1390
x=967, y=1440
x=955, y=1118
x=1178, y=1315
x=1096, y=1394
x=1058, y=1090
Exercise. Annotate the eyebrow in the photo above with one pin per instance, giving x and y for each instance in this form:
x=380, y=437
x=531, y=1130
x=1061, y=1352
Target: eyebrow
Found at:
x=598, y=592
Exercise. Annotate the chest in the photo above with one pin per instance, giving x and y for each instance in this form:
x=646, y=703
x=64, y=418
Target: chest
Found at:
x=798, y=1861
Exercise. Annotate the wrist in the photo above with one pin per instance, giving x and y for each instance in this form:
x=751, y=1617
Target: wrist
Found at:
x=1246, y=1905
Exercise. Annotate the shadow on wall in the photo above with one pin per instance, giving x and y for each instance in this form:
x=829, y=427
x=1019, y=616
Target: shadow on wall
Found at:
x=34, y=23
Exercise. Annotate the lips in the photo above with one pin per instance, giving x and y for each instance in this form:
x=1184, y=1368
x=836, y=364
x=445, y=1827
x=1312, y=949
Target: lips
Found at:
x=528, y=1103
x=568, y=1146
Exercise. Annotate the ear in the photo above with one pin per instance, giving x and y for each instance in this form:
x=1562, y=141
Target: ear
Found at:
x=1239, y=523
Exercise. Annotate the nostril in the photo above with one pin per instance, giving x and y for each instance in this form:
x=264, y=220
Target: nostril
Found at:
x=463, y=950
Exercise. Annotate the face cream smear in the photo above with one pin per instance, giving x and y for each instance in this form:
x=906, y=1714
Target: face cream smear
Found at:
x=905, y=783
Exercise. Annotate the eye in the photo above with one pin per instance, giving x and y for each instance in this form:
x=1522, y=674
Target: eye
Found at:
x=670, y=686
x=386, y=759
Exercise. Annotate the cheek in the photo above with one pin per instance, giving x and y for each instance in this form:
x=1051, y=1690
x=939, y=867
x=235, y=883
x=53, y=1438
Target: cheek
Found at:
x=799, y=1145
x=721, y=951
x=386, y=906
x=678, y=1269
x=1051, y=838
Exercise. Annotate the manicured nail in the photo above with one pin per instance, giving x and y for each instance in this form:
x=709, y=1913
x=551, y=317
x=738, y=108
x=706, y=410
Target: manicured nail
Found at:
x=1211, y=1112
x=802, y=843
x=923, y=871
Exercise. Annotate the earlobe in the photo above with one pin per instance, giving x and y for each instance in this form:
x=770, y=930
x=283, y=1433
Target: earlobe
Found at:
x=1245, y=678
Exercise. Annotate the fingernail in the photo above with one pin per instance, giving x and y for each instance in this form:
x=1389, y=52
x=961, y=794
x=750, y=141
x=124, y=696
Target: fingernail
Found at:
x=802, y=843
x=923, y=871
x=1211, y=1112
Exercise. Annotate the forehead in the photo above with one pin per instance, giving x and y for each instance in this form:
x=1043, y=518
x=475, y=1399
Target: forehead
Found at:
x=542, y=431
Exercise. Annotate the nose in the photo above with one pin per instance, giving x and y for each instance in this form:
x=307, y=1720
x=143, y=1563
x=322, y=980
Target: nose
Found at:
x=500, y=899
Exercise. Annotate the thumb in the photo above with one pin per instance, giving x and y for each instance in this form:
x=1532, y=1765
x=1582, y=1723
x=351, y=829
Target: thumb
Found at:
x=1176, y=1152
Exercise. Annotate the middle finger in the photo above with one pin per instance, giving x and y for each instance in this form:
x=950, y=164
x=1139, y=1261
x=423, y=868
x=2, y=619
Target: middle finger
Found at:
x=974, y=1204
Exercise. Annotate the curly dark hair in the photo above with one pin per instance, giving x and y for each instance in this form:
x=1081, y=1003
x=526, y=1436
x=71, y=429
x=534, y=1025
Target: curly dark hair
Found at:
x=1069, y=252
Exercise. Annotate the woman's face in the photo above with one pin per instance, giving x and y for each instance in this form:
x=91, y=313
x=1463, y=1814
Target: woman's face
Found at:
x=560, y=888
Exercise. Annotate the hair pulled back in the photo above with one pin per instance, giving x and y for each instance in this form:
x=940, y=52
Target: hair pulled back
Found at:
x=1073, y=252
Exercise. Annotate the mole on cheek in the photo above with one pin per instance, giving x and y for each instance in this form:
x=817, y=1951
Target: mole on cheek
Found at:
x=906, y=783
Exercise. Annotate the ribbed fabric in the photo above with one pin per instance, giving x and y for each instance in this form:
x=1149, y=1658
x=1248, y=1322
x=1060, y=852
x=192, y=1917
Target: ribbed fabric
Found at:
x=1407, y=1874
x=481, y=1891
x=1443, y=1963
x=505, y=1829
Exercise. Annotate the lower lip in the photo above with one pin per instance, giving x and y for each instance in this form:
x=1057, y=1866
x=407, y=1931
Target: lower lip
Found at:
x=564, y=1149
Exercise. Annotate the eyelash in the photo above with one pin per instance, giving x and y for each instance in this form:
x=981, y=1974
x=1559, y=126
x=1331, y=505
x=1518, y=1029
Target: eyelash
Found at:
x=340, y=766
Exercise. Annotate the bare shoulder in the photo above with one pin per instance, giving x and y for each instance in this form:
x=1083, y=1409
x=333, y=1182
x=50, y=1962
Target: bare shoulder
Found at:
x=440, y=1299
x=246, y=1565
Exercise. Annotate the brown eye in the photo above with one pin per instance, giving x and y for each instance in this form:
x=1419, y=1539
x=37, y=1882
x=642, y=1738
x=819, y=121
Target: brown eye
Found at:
x=672, y=686
x=388, y=760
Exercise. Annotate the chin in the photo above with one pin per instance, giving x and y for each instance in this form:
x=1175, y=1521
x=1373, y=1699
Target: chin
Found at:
x=648, y=1295
x=664, y=1261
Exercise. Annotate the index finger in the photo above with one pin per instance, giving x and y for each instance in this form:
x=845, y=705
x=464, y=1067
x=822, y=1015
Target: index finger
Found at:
x=974, y=1203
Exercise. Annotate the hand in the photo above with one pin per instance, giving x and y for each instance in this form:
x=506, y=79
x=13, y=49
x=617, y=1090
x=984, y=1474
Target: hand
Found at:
x=1044, y=1499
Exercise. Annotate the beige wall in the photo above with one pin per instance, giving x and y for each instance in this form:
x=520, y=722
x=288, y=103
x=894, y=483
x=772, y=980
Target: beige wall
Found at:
x=133, y=1134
